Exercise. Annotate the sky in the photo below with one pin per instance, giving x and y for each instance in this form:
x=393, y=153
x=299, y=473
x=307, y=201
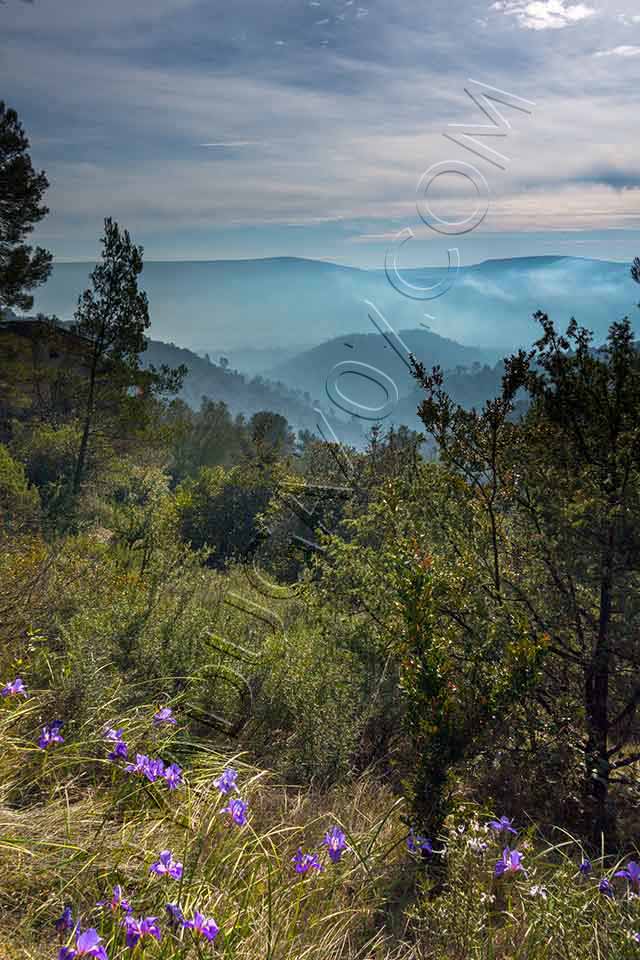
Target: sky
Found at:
x=259, y=128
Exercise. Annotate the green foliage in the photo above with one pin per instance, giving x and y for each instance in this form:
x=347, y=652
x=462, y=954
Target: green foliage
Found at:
x=221, y=509
x=557, y=492
x=19, y=502
x=309, y=714
x=48, y=453
x=414, y=565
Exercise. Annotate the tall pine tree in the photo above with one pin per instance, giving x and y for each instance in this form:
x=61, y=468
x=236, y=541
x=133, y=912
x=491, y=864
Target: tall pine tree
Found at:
x=21, y=190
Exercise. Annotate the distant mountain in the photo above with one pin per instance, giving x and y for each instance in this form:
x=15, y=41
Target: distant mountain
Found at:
x=310, y=369
x=492, y=303
x=225, y=307
x=255, y=361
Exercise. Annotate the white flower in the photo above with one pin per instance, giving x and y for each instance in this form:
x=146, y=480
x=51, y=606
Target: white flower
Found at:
x=477, y=845
x=538, y=891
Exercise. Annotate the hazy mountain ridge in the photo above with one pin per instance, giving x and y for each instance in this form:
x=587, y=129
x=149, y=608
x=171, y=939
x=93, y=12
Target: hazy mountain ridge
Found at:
x=242, y=394
x=311, y=369
x=223, y=307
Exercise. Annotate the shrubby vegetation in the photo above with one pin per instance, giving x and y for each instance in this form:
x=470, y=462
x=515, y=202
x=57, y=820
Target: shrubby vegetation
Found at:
x=265, y=696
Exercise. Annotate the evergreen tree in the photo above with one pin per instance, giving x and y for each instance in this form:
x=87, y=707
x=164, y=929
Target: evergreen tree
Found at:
x=21, y=189
x=113, y=317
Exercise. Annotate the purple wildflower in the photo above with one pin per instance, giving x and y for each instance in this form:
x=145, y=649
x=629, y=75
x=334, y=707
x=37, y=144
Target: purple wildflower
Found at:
x=166, y=866
x=510, y=862
x=585, y=867
x=606, y=888
x=14, y=689
x=176, y=916
x=173, y=776
x=335, y=841
x=206, y=928
x=636, y=937
x=65, y=921
x=51, y=735
x=117, y=901
x=631, y=873
x=164, y=715
x=88, y=944
x=120, y=751
x=306, y=861
x=227, y=781
x=114, y=736
x=502, y=826
x=137, y=929
x=140, y=766
x=237, y=810
x=417, y=843
x=150, y=768
x=154, y=770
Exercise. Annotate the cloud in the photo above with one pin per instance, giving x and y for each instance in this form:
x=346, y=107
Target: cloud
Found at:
x=614, y=177
x=544, y=14
x=621, y=51
x=121, y=102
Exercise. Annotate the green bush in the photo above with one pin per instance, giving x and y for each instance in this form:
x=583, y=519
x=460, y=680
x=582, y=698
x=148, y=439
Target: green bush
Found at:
x=19, y=501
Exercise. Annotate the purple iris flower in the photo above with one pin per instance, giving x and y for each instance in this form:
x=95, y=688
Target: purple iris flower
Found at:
x=206, y=928
x=176, y=916
x=88, y=944
x=306, y=861
x=51, y=735
x=237, y=810
x=154, y=769
x=631, y=873
x=585, y=867
x=65, y=921
x=510, y=862
x=150, y=768
x=417, y=843
x=117, y=901
x=164, y=715
x=136, y=930
x=636, y=937
x=120, y=751
x=502, y=825
x=140, y=766
x=173, y=776
x=166, y=866
x=227, y=781
x=606, y=888
x=14, y=689
x=336, y=842
x=114, y=736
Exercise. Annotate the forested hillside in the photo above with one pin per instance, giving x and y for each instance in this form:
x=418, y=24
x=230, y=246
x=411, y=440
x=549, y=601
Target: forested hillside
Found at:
x=267, y=695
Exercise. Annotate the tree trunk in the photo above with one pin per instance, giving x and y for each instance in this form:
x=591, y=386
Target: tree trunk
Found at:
x=602, y=821
x=86, y=430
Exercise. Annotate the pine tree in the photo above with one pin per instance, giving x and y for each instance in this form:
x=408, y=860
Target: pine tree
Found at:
x=113, y=316
x=21, y=189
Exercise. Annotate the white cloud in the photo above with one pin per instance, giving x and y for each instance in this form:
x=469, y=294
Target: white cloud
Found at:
x=622, y=51
x=544, y=14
